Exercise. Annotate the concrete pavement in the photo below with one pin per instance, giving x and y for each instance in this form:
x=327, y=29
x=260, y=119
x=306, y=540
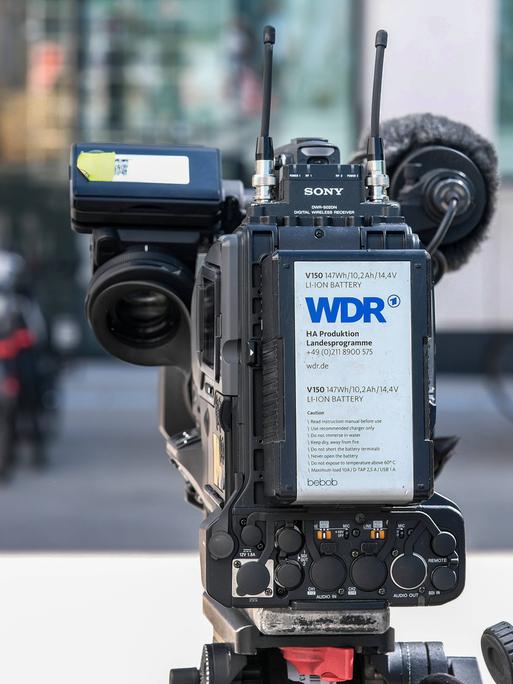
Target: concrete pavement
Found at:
x=110, y=486
x=105, y=619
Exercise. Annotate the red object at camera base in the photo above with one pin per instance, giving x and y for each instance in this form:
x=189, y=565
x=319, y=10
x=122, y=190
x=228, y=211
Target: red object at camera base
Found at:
x=329, y=663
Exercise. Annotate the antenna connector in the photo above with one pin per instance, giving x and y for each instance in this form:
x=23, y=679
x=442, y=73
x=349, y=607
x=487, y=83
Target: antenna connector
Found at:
x=377, y=180
x=263, y=180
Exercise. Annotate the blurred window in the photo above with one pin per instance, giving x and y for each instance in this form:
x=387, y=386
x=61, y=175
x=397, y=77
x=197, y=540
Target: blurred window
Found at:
x=169, y=71
x=36, y=83
x=189, y=71
x=151, y=71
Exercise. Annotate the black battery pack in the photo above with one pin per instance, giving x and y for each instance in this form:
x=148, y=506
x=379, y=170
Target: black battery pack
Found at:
x=141, y=185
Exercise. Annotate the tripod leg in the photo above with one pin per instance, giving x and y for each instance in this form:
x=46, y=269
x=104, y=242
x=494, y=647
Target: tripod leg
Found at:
x=220, y=665
x=465, y=669
x=424, y=663
x=462, y=671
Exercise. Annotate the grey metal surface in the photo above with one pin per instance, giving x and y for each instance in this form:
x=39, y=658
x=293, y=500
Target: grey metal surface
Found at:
x=280, y=621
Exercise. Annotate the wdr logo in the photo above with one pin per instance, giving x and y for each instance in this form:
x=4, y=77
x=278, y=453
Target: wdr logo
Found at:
x=346, y=309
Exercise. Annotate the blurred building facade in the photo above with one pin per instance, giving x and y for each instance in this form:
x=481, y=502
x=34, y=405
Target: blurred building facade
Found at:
x=188, y=71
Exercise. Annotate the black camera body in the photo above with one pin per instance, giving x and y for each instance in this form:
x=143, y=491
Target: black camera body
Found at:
x=298, y=388
x=294, y=520
x=295, y=334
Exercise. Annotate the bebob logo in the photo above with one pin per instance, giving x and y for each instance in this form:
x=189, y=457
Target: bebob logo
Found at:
x=345, y=309
x=322, y=483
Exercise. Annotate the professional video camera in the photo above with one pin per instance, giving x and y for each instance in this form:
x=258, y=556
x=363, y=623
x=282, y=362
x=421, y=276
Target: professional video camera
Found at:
x=296, y=337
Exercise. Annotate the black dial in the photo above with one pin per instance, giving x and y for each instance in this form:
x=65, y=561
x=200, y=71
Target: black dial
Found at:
x=289, y=575
x=253, y=578
x=497, y=647
x=368, y=573
x=328, y=573
x=289, y=540
x=409, y=571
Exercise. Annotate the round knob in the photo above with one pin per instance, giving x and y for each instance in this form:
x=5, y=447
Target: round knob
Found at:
x=251, y=535
x=328, y=573
x=444, y=578
x=289, y=540
x=218, y=664
x=253, y=578
x=443, y=544
x=497, y=647
x=368, y=573
x=289, y=575
x=408, y=572
x=221, y=545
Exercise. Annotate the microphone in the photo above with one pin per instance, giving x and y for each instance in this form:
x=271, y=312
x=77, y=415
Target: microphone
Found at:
x=445, y=177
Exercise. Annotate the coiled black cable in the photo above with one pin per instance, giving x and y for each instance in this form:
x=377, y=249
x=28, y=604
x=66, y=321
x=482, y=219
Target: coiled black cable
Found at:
x=445, y=224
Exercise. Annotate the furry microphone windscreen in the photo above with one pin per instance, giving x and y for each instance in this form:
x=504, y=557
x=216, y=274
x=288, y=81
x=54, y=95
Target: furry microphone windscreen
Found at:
x=405, y=134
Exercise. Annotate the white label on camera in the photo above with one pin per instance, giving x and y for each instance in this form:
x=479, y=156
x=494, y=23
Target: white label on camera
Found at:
x=354, y=422
x=151, y=168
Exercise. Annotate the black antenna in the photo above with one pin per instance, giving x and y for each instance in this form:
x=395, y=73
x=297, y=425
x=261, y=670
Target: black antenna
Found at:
x=380, y=43
x=377, y=180
x=269, y=40
x=264, y=178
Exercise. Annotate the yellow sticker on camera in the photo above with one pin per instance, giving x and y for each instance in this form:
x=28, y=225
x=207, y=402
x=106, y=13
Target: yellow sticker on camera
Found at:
x=97, y=166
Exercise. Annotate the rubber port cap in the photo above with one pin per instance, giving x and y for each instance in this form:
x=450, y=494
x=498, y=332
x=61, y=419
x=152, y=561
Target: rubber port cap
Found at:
x=368, y=573
x=289, y=575
x=253, y=578
x=443, y=544
x=251, y=535
x=289, y=540
x=221, y=545
x=497, y=647
x=444, y=578
x=328, y=573
x=408, y=571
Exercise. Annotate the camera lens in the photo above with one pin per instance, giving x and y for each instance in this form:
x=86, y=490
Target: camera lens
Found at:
x=138, y=307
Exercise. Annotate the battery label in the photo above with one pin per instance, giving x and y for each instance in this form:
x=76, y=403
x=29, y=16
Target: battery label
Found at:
x=354, y=423
x=99, y=166
x=151, y=168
